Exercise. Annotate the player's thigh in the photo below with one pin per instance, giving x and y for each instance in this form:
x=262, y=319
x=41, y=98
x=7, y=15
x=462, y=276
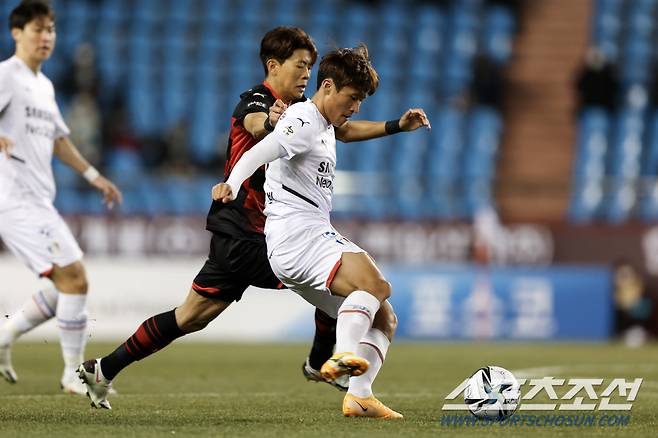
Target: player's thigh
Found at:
x=357, y=271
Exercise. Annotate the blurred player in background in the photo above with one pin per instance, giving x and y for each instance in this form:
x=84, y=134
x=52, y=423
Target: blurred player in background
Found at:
x=31, y=130
x=305, y=251
x=238, y=255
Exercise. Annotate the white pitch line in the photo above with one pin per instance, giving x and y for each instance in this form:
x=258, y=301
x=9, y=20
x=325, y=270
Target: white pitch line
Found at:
x=209, y=395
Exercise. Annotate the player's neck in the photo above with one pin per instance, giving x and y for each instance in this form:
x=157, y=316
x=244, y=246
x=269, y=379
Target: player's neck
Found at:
x=276, y=88
x=318, y=101
x=32, y=64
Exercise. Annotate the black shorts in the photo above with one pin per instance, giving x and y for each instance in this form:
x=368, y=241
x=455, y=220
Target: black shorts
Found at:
x=232, y=266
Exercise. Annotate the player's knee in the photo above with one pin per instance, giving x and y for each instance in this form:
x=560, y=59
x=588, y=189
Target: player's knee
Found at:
x=73, y=280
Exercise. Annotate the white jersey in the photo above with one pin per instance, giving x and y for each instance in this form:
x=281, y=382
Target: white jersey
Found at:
x=30, y=118
x=300, y=185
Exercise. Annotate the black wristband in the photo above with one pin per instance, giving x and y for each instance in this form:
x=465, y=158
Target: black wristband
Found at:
x=392, y=127
x=267, y=125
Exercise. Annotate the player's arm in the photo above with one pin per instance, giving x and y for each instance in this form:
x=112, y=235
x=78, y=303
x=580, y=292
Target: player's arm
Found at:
x=260, y=124
x=358, y=130
x=66, y=151
x=265, y=151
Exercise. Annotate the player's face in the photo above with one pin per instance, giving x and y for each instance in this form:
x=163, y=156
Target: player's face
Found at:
x=293, y=75
x=37, y=39
x=341, y=104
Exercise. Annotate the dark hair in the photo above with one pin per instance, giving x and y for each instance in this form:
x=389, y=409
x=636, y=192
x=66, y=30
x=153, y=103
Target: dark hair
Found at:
x=349, y=67
x=27, y=11
x=280, y=42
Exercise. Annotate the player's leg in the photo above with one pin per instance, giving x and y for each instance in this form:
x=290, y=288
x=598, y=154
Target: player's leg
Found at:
x=40, y=238
x=71, y=315
x=321, y=350
x=360, y=401
x=365, y=326
x=160, y=330
x=151, y=336
x=358, y=279
x=39, y=308
x=213, y=290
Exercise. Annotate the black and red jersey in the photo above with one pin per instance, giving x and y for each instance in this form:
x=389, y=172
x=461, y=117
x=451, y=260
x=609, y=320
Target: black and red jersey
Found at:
x=244, y=217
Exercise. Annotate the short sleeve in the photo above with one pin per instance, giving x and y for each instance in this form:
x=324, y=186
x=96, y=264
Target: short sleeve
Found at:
x=5, y=90
x=295, y=131
x=61, y=130
x=252, y=102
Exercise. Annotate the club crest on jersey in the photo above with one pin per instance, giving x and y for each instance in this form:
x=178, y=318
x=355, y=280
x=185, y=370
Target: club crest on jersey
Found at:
x=288, y=130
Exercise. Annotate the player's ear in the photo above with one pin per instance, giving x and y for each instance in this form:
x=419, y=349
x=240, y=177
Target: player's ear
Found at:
x=327, y=85
x=272, y=65
x=15, y=33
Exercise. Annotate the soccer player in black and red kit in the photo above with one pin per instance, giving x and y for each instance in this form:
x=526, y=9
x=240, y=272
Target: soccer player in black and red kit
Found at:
x=238, y=254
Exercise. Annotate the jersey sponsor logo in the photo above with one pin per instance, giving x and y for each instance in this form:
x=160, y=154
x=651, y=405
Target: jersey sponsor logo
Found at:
x=260, y=104
x=325, y=179
x=326, y=168
x=303, y=121
x=38, y=113
x=323, y=183
x=43, y=131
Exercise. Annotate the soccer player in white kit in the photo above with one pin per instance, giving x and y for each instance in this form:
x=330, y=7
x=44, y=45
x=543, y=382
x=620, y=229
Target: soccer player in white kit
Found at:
x=31, y=130
x=307, y=254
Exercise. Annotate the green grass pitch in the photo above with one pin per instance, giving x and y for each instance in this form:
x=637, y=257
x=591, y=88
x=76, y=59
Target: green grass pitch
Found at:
x=206, y=389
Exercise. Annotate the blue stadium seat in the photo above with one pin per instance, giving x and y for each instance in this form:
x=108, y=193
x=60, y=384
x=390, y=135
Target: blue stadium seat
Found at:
x=497, y=34
x=589, y=166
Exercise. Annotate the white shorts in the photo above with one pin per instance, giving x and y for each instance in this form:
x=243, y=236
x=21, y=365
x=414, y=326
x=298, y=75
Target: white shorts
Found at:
x=307, y=261
x=39, y=237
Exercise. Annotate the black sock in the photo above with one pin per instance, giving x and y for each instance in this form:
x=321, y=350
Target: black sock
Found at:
x=324, y=340
x=153, y=335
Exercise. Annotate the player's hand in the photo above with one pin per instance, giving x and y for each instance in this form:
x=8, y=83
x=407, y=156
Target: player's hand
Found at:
x=111, y=193
x=222, y=192
x=413, y=119
x=276, y=110
x=5, y=146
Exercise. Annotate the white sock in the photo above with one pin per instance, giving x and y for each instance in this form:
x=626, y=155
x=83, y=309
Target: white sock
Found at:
x=72, y=323
x=373, y=347
x=37, y=310
x=355, y=317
